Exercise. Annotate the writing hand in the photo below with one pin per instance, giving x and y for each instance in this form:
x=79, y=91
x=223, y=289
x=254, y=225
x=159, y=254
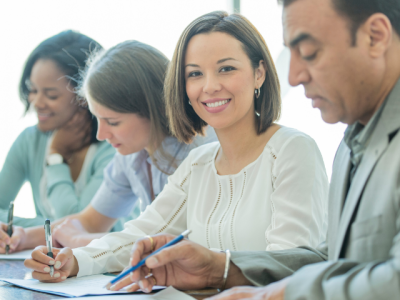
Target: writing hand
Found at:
x=185, y=265
x=16, y=241
x=64, y=262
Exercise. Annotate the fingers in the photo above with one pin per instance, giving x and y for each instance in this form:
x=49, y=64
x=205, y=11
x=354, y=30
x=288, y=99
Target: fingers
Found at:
x=171, y=254
x=4, y=238
x=40, y=260
x=41, y=263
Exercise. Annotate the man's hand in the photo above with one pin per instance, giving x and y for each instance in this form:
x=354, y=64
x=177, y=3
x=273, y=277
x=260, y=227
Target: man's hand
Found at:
x=185, y=265
x=73, y=136
x=68, y=234
x=274, y=291
x=64, y=262
x=16, y=241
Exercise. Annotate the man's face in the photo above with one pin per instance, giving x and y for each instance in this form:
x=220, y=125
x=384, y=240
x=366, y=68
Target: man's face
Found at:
x=338, y=76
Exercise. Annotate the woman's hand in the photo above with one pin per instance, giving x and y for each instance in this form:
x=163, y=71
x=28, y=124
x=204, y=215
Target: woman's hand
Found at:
x=185, y=265
x=68, y=233
x=16, y=241
x=64, y=262
x=73, y=136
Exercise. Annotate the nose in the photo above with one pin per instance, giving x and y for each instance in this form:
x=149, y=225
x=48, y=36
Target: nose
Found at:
x=103, y=132
x=37, y=100
x=298, y=73
x=211, y=84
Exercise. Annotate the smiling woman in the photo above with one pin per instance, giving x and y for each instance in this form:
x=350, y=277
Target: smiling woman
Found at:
x=261, y=187
x=60, y=156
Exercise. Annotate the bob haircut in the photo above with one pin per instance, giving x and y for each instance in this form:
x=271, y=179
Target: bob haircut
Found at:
x=129, y=78
x=69, y=50
x=184, y=122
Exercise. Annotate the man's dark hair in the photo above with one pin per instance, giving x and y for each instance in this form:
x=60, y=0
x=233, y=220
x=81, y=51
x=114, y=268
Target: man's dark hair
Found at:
x=358, y=11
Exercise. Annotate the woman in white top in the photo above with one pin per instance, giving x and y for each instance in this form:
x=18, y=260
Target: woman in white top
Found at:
x=261, y=187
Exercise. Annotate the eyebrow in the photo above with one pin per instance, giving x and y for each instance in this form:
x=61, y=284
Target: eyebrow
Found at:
x=218, y=62
x=50, y=89
x=301, y=38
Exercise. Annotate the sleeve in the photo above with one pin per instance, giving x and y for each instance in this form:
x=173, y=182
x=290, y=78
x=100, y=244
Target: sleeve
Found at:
x=115, y=198
x=350, y=280
x=264, y=267
x=300, y=196
x=14, y=173
x=61, y=189
x=166, y=214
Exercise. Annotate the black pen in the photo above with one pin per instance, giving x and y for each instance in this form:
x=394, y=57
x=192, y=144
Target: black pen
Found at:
x=10, y=223
x=47, y=230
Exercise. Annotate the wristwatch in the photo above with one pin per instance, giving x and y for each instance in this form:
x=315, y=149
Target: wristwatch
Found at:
x=54, y=159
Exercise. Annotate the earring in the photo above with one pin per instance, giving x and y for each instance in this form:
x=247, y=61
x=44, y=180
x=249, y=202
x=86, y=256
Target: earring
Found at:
x=190, y=103
x=257, y=114
x=257, y=92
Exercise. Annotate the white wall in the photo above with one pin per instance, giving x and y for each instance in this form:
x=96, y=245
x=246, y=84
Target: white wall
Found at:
x=23, y=24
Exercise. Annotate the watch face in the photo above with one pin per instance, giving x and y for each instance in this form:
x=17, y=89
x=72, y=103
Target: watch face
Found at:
x=54, y=159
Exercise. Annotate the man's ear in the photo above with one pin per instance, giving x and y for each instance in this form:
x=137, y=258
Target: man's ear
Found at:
x=378, y=31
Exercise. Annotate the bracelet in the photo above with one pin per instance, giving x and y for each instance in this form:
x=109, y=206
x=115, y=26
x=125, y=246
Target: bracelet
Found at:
x=227, y=265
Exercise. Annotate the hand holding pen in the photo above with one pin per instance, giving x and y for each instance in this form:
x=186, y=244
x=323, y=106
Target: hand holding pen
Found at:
x=185, y=265
x=49, y=240
x=10, y=223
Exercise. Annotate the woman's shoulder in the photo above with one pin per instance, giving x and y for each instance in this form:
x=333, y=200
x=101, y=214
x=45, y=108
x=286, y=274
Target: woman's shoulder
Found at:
x=103, y=152
x=290, y=140
x=32, y=135
x=204, y=153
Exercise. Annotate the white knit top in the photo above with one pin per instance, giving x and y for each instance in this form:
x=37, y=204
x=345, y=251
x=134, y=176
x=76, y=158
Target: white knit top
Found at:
x=279, y=201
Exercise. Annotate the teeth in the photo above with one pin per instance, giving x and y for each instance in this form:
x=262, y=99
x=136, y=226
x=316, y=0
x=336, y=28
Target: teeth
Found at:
x=216, y=104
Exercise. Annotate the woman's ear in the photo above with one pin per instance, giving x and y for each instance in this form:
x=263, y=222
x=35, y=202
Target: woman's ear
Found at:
x=260, y=74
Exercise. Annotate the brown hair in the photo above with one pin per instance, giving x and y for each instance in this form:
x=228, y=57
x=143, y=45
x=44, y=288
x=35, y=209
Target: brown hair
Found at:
x=184, y=122
x=129, y=78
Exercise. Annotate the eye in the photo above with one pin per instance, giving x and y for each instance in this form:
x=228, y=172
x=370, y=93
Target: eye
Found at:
x=113, y=124
x=310, y=57
x=52, y=97
x=194, y=74
x=227, y=69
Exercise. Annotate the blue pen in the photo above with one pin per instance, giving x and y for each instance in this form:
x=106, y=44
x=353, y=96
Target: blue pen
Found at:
x=142, y=262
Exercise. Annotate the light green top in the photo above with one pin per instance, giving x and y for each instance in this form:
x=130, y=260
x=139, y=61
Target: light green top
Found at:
x=25, y=162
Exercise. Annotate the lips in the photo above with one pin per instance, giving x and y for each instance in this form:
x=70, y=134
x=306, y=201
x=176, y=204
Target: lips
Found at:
x=216, y=105
x=43, y=117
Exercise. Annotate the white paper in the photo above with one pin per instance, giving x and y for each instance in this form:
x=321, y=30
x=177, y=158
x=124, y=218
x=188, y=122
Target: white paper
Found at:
x=72, y=287
x=168, y=294
x=21, y=255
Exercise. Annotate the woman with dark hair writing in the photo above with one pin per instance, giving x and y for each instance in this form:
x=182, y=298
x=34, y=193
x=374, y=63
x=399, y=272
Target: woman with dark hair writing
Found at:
x=60, y=156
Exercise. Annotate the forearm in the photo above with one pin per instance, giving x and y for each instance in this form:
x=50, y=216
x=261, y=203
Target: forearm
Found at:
x=35, y=236
x=264, y=267
x=93, y=221
x=84, y=239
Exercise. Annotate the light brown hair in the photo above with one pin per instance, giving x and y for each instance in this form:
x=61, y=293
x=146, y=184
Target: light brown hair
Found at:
x=184, y=122
x=129, y=78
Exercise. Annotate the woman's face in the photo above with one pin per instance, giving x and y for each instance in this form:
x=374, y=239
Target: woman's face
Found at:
x=126, y=132
x=220, y=80
x=51, y=95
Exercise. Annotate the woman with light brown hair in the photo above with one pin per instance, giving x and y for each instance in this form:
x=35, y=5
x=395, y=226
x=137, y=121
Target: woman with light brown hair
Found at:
x=261, y=187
